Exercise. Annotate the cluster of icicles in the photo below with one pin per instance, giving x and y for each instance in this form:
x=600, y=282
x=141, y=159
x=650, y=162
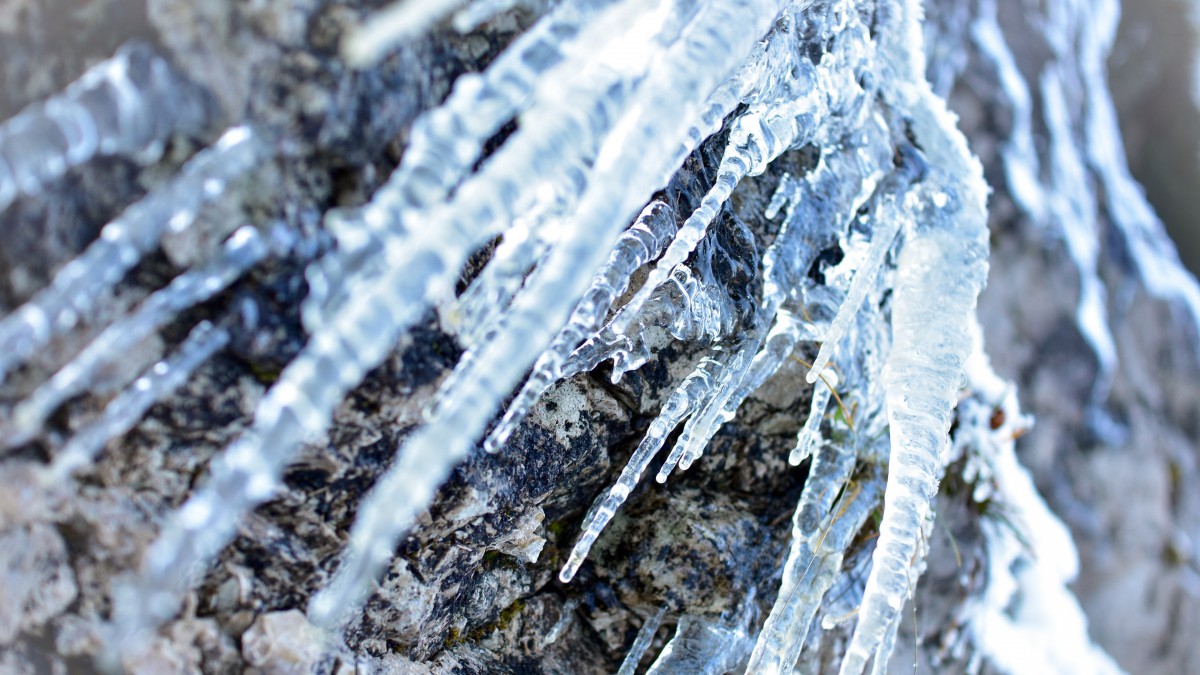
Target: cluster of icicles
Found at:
x=611, y=96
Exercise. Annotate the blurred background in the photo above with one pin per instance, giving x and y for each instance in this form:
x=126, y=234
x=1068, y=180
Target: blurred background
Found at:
x=1156, y=86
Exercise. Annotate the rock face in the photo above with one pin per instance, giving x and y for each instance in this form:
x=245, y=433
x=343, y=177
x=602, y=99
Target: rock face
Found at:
x=1076, y=314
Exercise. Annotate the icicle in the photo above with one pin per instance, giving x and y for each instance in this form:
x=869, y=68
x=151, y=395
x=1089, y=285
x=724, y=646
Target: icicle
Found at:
x=402, y=20
x=704, y=646
x=640, y=644
x=682, y=402
x=75, y=288
x=786, y=117
x=242, y=250
x=941, y=269
x=724, y=378
x=822, y=529
x=124, y=411
x=886, y=224
x=642, y=242
x=644, y=148
x=126, y=105
x=809, y=437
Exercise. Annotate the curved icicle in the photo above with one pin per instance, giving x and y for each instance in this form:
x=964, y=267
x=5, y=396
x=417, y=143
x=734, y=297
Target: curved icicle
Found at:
x=941, y=270
x=126, y=105
x=72, y=294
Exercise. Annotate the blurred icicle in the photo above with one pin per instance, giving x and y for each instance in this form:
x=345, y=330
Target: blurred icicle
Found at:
x=72, y=294
x=644, y=148
x=682, y=402
x=642, y=642
x=127, y=105
x=124, y=411
x=402, y=20
x=243, y=249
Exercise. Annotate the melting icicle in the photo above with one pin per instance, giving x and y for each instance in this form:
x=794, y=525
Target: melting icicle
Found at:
x=243, y=249
x=123, y=412
x=76, y=287
x=642, y=242
x=642, y=642
x=126, y=105
x=682, y=402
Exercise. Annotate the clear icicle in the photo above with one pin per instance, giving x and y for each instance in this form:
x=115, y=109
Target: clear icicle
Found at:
x=126, y=105
x=642, y=642
x=123, y=412
x=642, y=242
x=809, y=437
x=723, y=378
x=122, y=243
x=242, y=250
x=645, y=148
x=940, y=272
x=682, y=402
x=886, y=225
x=822, y=529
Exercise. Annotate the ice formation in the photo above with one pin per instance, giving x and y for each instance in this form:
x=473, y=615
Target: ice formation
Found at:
x=608, y=98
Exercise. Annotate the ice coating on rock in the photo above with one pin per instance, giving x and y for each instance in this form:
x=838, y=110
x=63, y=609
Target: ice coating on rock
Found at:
x=706, y=646
x=122, y=243
x=126, y=105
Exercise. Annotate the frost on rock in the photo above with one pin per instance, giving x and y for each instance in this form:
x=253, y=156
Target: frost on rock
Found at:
x=593, y=200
